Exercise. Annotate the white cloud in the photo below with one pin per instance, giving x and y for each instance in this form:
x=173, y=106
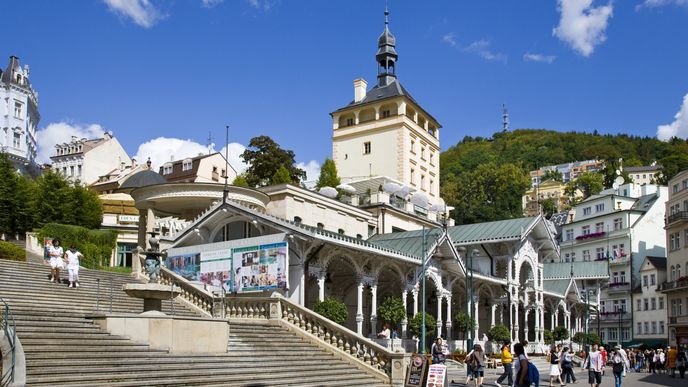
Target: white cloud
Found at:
x=582, y=25
x=660, y=3
x=211, y=3
x=141, y=12
x=61, y=132
x=164, y=149
x=678, y=128
x=482, y=48
x=528, y=57
x=312, y=169
x=263, y=5
x=450, y=39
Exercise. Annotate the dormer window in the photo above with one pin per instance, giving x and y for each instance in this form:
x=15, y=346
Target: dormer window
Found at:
x=349, y=121
x=167, y=169
x=19, y=79
x=186, y=165
x=385, y=114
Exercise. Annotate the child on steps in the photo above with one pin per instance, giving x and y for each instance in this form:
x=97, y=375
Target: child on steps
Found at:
x=72, y=256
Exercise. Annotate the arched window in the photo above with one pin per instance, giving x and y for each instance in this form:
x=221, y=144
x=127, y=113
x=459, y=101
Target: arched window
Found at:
x=340, y=231
x=320, y=226
x=672, y=275
x=297, y=220
x=678, y=271
x=19, y=79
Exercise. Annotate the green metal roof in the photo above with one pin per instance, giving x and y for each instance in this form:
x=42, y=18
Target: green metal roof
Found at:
x=558, y=286
x=562, y=270
x=409, y=242
x=491, y=231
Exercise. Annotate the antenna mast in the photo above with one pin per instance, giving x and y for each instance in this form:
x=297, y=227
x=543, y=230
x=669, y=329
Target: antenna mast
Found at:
x=225, y=191
x=505, y=118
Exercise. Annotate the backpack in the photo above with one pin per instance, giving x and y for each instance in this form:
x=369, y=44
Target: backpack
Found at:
x=533, y=374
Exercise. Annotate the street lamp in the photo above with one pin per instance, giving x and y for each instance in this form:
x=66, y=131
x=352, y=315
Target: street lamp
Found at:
x=471, y=302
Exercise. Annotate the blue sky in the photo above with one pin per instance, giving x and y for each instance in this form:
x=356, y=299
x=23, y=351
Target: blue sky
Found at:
x=154, y=71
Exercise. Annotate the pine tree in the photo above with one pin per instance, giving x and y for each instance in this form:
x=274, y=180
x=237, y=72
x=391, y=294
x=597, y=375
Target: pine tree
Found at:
x=281, y=176
x=328, y=175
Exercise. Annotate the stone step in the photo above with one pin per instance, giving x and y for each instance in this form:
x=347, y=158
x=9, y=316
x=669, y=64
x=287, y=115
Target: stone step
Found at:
x=304, y=373
x=131, y=347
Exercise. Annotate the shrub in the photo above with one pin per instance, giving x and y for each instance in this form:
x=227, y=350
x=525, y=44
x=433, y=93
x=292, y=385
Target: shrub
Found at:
x=416, y=323
x=95, y=245
x=11, y=252
x=560, y=333
x=332, y=309
x=392, y=309
x=549, y=337
x=464, y=322
x=499, y=333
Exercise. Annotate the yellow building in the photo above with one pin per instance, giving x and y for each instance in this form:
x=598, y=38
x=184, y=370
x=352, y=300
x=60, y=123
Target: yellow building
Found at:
x=550, y=189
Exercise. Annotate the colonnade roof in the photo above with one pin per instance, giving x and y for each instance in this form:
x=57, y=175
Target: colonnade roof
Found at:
x=501, y=230
x=564, y=270
x=559, y=286
x=410, y=242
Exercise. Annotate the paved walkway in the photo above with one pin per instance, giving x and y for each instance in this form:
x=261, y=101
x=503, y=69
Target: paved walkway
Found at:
x=632, y=379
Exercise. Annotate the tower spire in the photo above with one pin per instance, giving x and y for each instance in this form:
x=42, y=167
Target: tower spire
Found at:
x=386, y=55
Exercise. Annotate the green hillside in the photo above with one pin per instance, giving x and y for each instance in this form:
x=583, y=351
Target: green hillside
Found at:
x=484, y=178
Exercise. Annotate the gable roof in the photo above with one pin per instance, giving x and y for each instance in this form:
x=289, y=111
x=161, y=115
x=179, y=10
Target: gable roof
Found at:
x=658, y=262
x=559, y=286
x=410, y=242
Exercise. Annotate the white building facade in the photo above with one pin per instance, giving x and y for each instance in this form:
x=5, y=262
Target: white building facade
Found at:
x=19, y=117
x=650, y=310
x=621, y=227
x=87, y=160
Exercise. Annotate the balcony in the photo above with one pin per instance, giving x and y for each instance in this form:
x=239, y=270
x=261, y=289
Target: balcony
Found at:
x=680, y=216
x=622, y=259
x=678, y=319
x=592, y=235
x=614, y=316
x=679, y=284
x=618, y=287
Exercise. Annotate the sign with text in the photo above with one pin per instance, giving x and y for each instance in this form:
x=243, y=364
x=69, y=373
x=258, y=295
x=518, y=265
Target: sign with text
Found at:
x=416, y=371
x=216, y=268
x=260, y=268
x=437, y=375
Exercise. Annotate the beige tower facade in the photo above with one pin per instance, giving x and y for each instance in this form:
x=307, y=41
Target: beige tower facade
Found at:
x=385, y=132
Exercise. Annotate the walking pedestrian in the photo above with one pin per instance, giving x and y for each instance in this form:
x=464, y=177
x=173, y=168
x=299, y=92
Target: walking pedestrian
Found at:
x=56, y=254
x=681, y=362
x=567, y=366
x=476, y=364
x=73, y=256
x=521, y=366
x=593, y=363
x=618, y=366
x=506, y=363
x=554, y=366
x=671, y=361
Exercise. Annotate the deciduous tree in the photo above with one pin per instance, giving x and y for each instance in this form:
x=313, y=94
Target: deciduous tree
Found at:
x=264, y=157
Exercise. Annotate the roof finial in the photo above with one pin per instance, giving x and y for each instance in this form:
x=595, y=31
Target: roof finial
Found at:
x=386, y=14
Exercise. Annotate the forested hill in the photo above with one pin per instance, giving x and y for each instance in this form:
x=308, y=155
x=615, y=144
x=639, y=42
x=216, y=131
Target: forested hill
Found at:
x=484, y=178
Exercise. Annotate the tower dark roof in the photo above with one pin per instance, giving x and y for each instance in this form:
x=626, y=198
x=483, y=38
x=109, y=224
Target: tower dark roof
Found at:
x=142, y=179
x=13, y=68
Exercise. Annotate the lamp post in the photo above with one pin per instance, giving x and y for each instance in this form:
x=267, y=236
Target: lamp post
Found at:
x=422, y=324
x=471, y=302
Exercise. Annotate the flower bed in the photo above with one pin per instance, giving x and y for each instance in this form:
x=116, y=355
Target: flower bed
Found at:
x=591, y=235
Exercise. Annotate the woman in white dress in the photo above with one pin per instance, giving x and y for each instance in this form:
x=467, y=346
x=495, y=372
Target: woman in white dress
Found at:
x=555, y=366
x=56, y=254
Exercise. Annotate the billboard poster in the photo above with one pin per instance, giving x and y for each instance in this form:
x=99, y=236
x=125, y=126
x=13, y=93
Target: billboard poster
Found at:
x=216, y=268
x=185, y=265
x=260, y=268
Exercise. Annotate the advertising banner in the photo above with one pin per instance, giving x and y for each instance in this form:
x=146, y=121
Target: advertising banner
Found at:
x=260, y=268
x=216, y=268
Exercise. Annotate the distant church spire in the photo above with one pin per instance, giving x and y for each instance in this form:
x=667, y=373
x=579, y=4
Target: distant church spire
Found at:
x=505, y=118
x=386, y=55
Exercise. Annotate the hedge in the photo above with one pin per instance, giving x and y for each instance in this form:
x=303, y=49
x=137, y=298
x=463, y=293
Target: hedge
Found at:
x=95, y=245
x=12, y=252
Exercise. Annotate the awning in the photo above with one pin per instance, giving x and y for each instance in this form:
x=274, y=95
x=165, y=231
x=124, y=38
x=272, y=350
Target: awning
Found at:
x=647, y=343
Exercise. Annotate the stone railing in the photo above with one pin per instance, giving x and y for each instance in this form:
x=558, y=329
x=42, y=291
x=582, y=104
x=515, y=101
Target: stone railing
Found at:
x=196, y=298
x=366, y=354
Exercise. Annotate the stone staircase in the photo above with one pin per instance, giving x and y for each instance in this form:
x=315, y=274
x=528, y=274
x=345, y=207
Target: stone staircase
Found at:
x=63, y=347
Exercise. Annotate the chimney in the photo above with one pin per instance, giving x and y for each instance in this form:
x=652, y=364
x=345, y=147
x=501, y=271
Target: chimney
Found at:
x=360, y=86
x=73, y=138
x=133, y=163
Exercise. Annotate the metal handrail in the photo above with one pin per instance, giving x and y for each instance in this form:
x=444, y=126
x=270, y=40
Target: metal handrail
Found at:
x=9, y=329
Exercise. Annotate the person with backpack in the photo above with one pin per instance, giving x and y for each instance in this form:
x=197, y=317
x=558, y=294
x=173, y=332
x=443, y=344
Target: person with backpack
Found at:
x=567, y=366
x=475, y=361
x=618, y=365
x=526, y=372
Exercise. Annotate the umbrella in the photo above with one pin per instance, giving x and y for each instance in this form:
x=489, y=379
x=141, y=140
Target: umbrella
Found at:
x=347, y=189
x=391, y=188
x=419, y=199
x=328, y=191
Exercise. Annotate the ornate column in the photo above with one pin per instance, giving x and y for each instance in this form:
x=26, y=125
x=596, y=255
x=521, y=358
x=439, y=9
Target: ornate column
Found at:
x=321, y=287
x=525, y=325
x=536, y=312
x=448, y=323
x=414, y=292
x=359, y=308
x=493, y=312
x=555, y=318
x=404, y=321
x=150, y=224
x=373, y=310
x=476, y=303
x=439, y=315
x=513, y=317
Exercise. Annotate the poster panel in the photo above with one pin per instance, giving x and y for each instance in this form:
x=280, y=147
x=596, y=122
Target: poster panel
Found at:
x=260, y=268
x=185, y=265
x=216, y=269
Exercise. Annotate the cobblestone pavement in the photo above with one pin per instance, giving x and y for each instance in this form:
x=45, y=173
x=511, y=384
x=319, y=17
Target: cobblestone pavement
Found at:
x=632, y=379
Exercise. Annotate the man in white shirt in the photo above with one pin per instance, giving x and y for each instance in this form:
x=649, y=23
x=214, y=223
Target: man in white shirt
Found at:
x=594, y=365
